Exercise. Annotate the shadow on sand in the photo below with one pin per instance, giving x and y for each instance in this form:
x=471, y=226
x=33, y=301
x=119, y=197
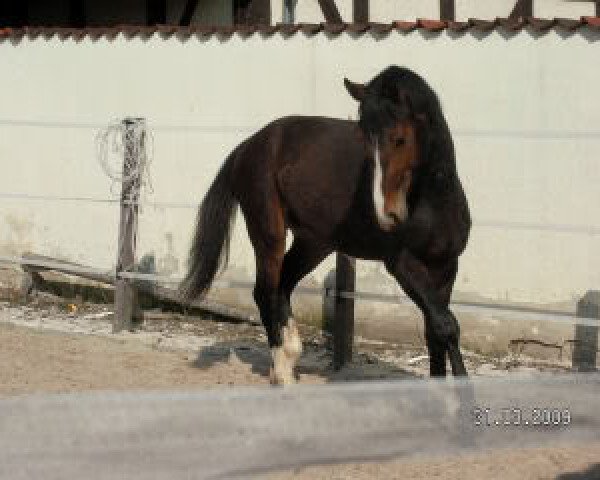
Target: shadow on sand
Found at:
x=316, y=361
x=591, y=473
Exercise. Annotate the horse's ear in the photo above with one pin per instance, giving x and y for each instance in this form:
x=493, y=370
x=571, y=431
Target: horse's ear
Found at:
x=356, y=90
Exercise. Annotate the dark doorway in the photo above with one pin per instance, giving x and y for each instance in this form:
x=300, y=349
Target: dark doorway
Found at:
x=156, y=12
x=251, y=12
x=241, y=9
x=13, y=13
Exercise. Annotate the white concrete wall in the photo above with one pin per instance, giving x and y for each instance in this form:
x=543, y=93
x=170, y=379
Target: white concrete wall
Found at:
x=541, y=8
x=465, y=9
x=563, y=8
x=382, y=11
x=522, y=108
x=308, y=11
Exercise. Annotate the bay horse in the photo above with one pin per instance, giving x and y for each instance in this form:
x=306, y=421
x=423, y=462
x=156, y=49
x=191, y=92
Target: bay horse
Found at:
x=384, y=188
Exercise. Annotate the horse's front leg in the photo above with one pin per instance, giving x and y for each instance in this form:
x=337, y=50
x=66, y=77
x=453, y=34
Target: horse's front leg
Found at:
x=430, y=288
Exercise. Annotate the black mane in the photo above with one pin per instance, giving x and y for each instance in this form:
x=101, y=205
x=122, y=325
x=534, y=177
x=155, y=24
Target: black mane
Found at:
x=398, y=93
x=435, y=181
x=378, y=112
x=405, y=89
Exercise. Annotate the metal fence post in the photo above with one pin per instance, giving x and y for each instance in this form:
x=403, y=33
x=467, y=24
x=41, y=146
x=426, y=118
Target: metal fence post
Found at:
x=343, y=322
x=125, y=295
x=585, y=348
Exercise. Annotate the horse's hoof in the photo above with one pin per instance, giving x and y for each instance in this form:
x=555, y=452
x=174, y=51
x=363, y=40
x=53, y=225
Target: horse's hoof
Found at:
x=279, y=377
x=284, y=358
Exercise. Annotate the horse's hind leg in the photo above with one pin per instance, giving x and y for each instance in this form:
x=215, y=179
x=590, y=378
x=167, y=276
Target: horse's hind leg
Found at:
x=284, y=342
x=266, y=228
x=302, y=257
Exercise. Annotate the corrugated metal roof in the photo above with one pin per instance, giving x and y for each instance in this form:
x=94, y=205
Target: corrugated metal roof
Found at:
x=540, y=25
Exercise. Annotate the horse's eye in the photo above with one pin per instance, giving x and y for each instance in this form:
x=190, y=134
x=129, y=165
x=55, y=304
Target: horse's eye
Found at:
x=400, y=141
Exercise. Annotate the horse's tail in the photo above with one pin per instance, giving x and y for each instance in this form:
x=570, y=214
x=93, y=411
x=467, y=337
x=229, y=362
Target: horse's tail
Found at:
x=210, y=246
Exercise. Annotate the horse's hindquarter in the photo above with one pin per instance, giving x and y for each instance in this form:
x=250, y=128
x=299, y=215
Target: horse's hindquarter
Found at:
x=320, y=163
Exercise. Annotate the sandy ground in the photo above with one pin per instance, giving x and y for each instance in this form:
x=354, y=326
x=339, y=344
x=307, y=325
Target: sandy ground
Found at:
x=46, y=348
x=531, y=464
x=51, y=346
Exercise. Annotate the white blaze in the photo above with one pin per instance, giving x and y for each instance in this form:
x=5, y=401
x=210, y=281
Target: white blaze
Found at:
x=378, y=199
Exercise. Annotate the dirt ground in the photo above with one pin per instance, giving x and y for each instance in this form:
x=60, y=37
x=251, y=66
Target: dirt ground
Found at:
x=53, y=346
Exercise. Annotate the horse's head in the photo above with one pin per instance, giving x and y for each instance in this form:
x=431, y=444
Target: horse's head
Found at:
x=390, y=126
x=414, y=155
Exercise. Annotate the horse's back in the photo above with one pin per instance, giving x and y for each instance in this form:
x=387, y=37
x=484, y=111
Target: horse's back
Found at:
x=314, y=163
x=322, y=161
